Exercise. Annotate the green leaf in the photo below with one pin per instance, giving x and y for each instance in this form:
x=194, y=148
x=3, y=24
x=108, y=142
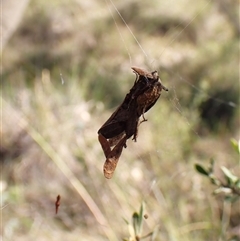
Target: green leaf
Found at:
x=214, y=179
x=235, y=145
x=224, y=190
x=131, y=232
x=155, y=233
x=126, y=221
x=135, y=221
x=140, y=220
x=142, y=207
x=201, y=170
x=211, y=165
x=232, y=198
x=238, y=184
x=232, y=179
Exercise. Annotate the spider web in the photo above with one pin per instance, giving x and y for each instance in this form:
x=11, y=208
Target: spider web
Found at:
x=110, y=3
x=174, y=101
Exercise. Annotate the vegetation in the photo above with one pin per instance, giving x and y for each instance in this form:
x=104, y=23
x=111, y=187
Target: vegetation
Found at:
x=229, y=187
x=66, y=69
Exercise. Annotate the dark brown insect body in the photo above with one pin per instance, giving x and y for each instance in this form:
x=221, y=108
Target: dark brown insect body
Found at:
x=123, y=123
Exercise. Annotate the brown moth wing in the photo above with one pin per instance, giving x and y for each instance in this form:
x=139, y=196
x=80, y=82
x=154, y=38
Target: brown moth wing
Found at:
x=112, y=159
x=114, y=140
x=124, y=122
x=104, y=144
x=151, y=94
x=148, y=98
x=117, y=122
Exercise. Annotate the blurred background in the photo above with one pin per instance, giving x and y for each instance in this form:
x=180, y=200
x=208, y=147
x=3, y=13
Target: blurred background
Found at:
x=66, y=66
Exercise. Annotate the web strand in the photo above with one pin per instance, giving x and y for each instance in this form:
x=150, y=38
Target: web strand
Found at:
x=178, y=34
x=229, y=103
x=120, y=34
x=129, y=29
x=174, y=100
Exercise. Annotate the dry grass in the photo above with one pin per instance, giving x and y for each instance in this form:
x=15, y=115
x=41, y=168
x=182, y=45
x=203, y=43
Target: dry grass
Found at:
x=49, y=130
